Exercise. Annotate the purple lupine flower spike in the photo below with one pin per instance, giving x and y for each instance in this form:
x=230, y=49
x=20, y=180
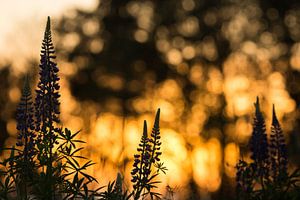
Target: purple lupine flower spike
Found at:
x=149, y=153
x=47, y=94
x=155, y=140
x=259, y=143
x=278, y=150
x=141, y=160
x=25, y=123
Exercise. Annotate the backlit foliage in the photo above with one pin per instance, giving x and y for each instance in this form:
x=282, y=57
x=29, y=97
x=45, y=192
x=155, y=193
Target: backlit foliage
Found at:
x=267, y=175
x=201, y=62
x=47, y=163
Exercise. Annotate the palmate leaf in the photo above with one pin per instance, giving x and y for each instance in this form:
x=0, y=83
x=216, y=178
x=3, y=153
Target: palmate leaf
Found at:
x=160, y=167
x=155, y=195
x=113, y=192
x=76, y=151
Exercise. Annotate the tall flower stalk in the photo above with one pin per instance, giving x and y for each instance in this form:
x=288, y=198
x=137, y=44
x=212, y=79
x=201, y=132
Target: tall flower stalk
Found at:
x=259, y=146
x=269, y=166
x=41, y=170
x=278, y=151
x=141, y=164
x=25, y=124
x=148, y=156
x=47, y=98
x=24, y=164
x=47, y=109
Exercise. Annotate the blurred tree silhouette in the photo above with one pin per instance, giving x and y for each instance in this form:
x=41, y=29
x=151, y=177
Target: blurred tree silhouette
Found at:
x=119, y=70
x=121, y=47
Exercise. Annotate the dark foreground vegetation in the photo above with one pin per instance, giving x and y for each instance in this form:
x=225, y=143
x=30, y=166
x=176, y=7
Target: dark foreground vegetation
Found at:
x=46, y=162
x=267, y=175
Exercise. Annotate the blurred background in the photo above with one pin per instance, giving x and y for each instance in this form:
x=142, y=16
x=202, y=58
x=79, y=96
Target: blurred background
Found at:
x=202, y=62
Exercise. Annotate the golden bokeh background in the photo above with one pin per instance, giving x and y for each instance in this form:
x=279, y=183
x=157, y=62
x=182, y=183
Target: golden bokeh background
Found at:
x=201, y=63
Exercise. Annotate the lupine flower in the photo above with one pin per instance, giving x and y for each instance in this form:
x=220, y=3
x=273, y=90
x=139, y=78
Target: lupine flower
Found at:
x=259, y=143
x=25, y=123
x=47, y=95
x=278, y=150
x=155, y=139
x=141, y=163
x=269, y=166
x=149, y=153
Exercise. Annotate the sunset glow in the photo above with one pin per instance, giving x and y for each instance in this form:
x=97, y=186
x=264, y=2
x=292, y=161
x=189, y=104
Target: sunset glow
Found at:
x=205, y=95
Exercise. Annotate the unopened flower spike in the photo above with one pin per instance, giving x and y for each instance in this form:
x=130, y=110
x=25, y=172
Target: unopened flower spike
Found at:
x=278, y=150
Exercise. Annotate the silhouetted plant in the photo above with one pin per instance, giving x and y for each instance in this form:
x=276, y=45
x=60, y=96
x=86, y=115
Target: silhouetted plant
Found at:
x=141, y=164
x=46, y=166
x=18, y=169
x=143, y=177
x=115, y=190
x=259, y=146
x=23, y=163
x=60, y=174
x=46, y=101
x=266, y=177
x=68, y=177
x=278, y=152
x=7, y=174
x=143, y=173
x=47, y=110
x=47, y=163
x=25, y=123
